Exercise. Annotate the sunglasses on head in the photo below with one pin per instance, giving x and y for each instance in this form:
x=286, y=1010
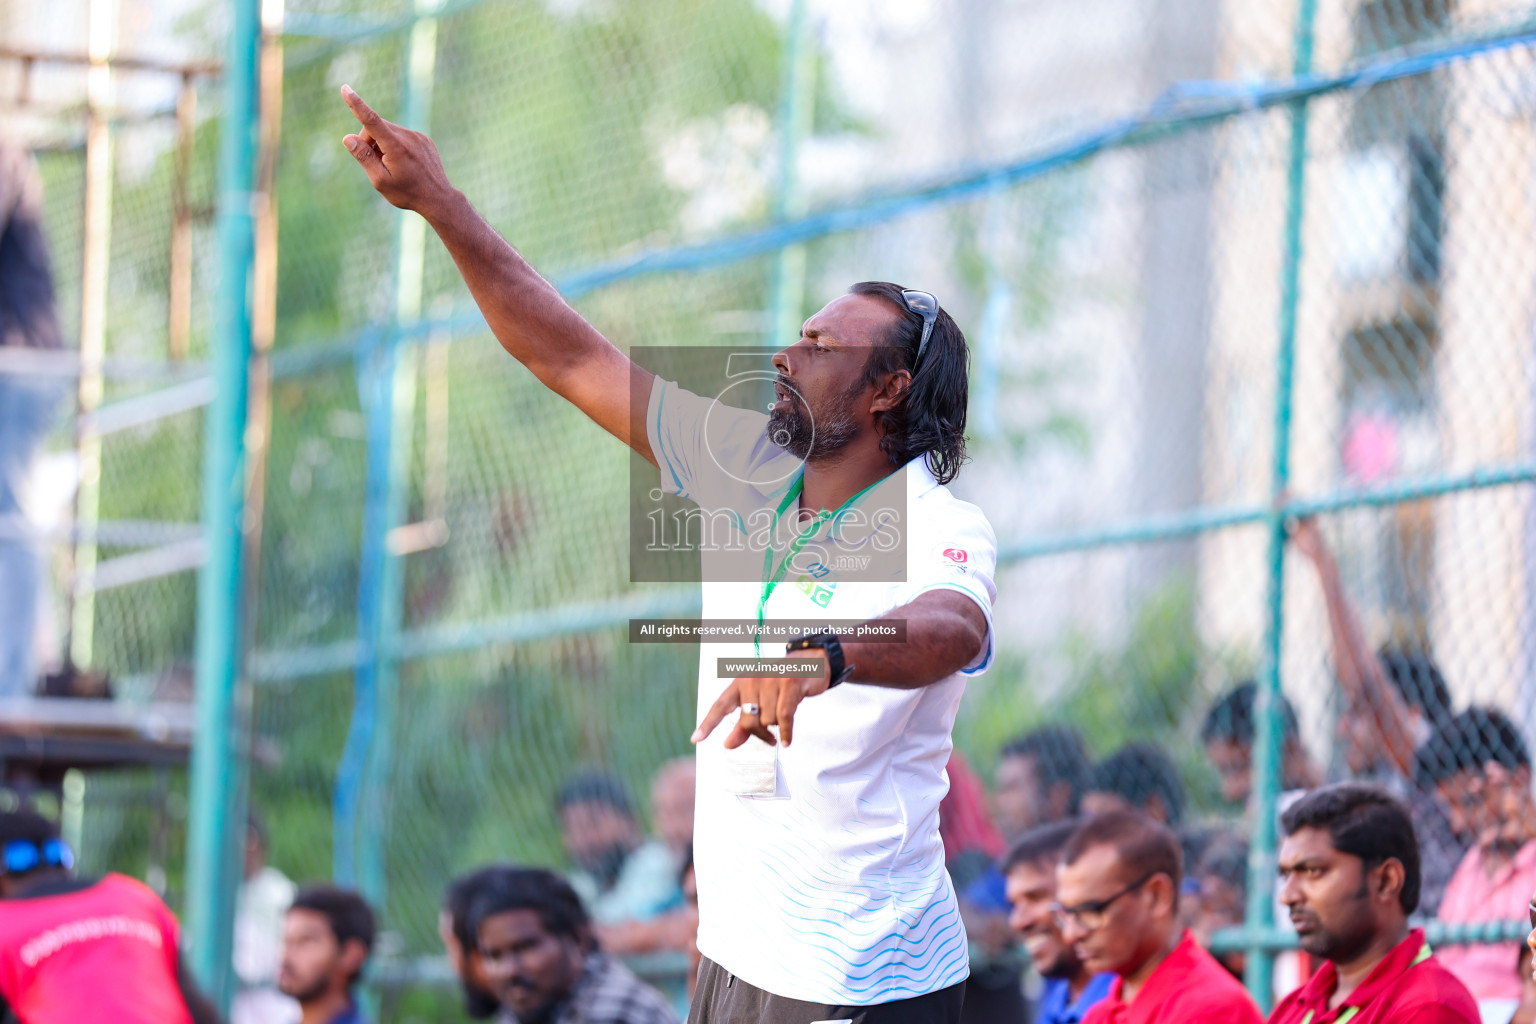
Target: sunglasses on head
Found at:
x=19, y=856
x=925, y=305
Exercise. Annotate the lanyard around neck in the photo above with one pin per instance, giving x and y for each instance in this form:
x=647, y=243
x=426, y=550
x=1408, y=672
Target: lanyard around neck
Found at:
x=773, y=576
x=1349, y=1011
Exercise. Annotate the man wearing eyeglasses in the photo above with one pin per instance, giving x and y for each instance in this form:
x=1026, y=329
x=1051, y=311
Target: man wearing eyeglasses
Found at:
x=1349, y=874
x=1029, y=868
x=75, y=951
x=1117, y=891
x=820, y=869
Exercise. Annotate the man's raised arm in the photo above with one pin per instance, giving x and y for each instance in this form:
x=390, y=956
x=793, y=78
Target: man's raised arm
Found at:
x=524, y=311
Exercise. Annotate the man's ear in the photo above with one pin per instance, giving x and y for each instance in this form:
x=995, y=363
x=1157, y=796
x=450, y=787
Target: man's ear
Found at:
x=353, y=955
x=1164, y=892
x=1391, y=876
x=891, y=392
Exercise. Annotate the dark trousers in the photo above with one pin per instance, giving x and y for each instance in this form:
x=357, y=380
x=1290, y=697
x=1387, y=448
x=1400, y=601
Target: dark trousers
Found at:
x=722, y=998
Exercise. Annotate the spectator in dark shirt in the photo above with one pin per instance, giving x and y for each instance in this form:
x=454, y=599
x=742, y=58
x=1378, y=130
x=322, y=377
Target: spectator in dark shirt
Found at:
x=459, y=938
x=27, y=320
x=327, y=937
x=537, y=949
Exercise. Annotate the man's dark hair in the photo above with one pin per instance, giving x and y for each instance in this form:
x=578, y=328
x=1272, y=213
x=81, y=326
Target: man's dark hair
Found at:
x=1419, y=681
x=457, y=902
x=1040, y=845
x=1144, y=846
x=460, y=896
x=594, y=788
x=539, y=890
x=26, y=825
x=1231, y=717
x=1477, y=736
x=1058, y=755
x=1138, y=772
x=1363, y=821
x=1226, y=860
x=931, y=421
x=350, y=917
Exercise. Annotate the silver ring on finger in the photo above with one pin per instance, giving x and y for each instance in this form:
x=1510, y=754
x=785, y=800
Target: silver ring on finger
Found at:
x=751, y=709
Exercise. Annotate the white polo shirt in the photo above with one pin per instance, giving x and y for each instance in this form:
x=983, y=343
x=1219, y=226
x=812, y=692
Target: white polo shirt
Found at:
x=828, y=883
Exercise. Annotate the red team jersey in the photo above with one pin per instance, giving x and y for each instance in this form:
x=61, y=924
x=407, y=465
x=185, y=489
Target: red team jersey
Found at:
x=1408, y=987
x=105, y=953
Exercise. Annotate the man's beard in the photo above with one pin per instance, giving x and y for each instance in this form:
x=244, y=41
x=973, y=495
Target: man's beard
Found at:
x=825, y=432
x=309, y=993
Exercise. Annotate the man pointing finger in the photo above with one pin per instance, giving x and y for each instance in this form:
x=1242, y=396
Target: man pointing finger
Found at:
x=821, y=882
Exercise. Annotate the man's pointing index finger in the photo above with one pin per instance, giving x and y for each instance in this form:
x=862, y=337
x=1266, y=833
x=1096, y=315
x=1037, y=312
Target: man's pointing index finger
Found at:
x=365, y=114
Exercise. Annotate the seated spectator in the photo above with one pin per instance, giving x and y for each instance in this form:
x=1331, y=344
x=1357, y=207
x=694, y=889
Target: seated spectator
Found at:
x=1137, y=777
x=327, y=938
x=994, y=991
x=1392, y=701
x=1228, y=734
x=1220, y=896
x=51, y=973
x=258, y=949
x=672, y=793
x=542, y=961
x=459, y=939
x=1039, y=779
x=1523, y=1010
x=1117, y=891
x=1349, y=875
x=1481, y=767
x=618, y=875
x=1071, y=990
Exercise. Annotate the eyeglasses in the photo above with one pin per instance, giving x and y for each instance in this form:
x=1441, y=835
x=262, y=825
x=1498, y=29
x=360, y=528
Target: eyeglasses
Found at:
x=925, y=305
x=1093, y=914
x=23, y=855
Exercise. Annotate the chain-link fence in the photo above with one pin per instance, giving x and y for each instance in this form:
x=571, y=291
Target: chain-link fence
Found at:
x=1248, y=288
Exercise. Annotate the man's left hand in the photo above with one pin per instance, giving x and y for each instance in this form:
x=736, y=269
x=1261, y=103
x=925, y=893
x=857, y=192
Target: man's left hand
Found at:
x=776, y=699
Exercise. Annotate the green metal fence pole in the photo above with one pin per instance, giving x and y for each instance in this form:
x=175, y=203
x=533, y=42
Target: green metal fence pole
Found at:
x=216, y=827
x=361, y=808
x=1268, y=749
x=796, y=105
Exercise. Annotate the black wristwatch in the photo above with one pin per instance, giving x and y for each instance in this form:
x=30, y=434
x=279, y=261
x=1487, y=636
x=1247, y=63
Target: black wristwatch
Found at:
x=837, y=670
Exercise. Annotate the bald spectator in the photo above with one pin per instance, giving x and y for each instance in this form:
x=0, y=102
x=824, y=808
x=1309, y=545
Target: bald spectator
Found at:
x=1117, y=891
x=1137, y=777
x=27, y=320
x=1349, y=875
x=672, y=792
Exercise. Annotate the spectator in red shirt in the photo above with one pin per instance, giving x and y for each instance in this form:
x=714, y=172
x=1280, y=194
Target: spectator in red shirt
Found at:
x=1349, y=870
x=76, y=951
x=1117, y=888
x=1482, y=769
